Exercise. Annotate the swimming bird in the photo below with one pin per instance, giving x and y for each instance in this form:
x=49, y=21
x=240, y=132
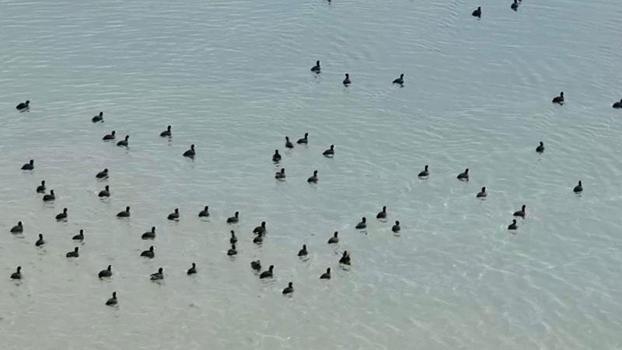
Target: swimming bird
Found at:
x=345, y=258
x=396, y=228
x=112, y=301
x=234, y=219
x=514, y=5
x=98, y=118
x=17, y=275
x=326, y=275
x=316, y=68
x=346, y=81
x=258, y=239
x=559, y=99
x=149, y=253
x=49, y=197
x=256, y=265
x=288, y=143
x=303, y=252
x=313, y=179
x=167, y=132
x=280, y=175
x=513, y=225
x=289, y=289
x=192, y=270
x=261, y=229
x=233, y=239
x=102, y=174
x=40, y=241
x=464, y=176
x=205, y=212
x=482, y=193
x=125, y=213
x=521, y=213
x=62, y=215
x=149, y=234
x=105, y=273
x=400, y=80
x=174, y=215
x=578, y=188
x=158, y=275
x=19, y=228
x=232, y=251
x=190, y=153
x=304, y=140
x=424, y=172
x=268, y=273
x=73, y=254
x=124, y=142
x=276, y=157
x=29, y=166
x=41, y=188
x=477, y=12
x=105, y=192
x=79, y=236
x=540, y=147
x=23, y=106
x=111, y=136
x=334, y=239
x=617, y=105
x=362, y=224
x=329, y=152
x=382, y=214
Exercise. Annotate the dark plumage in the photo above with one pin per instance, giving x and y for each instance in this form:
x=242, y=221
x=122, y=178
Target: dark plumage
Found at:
x=280, y=175
x=316, y=69
x=174, y=215
x=464, y=176
x=424, y=173
x=268, y=273
x=105, y=193
x=112, y=301
x=205, y=212
x=192, y=270
x=521, y=213
x=400, y=80
x=41, y=188
x=326, y=275
x=105, y=273
x=276, y=157
x=190, y=153
x=482, y=194
x=73, y=254
x=232, y=251
x=578, y=188
x=233, y=239
x=19, y=228
x=330, y=152
x=559, y=99
x=29, y=166
x=23, y=106
x=79, y=236
x=256, y=265
x=149, y=234
x=167, y=132
x=62, y=215
x=102, y=174
x=125, y=213
x=98, y=118
x=362, y=224
x=396, y=228
x=149, y=253
x=110, y=137
x=346, y=80
x=304, y=140
x=513, y=226
x=40, y=242
x=261, y=229
x=234, y=219
x=17, y=275
x=345, y=258
x=334, y=239
x=158, y=275
x=303, y=252
x=289, y=289
x=314, y=178
x=540, y=147
x=382, y=214
x=477, y=12
x=124, y=142
x=288, y=143
x=49, y=197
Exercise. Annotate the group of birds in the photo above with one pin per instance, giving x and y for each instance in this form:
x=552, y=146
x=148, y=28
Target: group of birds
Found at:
x=478, y=11
x=346, y=81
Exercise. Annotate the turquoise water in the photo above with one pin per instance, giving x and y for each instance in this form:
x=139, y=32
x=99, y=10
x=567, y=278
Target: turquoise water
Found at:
x=233, y=78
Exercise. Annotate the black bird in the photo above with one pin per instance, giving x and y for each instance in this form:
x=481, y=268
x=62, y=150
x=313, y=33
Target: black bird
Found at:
x=346, y=81
x=256, y=265
x=521, y=213
x=125, y=213
x=73, y=253
x=105, y=273
x=268, y=273
x=361, y=225
x=400, y=80
x=158, y=275
x=192, y=270
x=105, y=192
x=79, y=236
x=23, y=106
x=345, y=258
x=578, y=188
x=40, y=241
x=261, y=229
x=316, y=68
x=425, y=172
x=334, y=239
x=232, y=251
x=17, y=275
x=289, y=289
x=276, y=157
x=326, y=275
x=167, y=132
x=41, y=188
x=124, y=142
x=234, y=219
x=514, y=5
x=280, y=175
x=148, y=253
x=102, y=174
x=205, y=212
x=174, y=215
x=258, y=239
x=513, y=226
x=540, y=148
x=303, y=252
x=233, y=239
x=329, y=152
x=149, y=234
x=62, y=216
x=396, y=228
x=29, y=166
x=110, y=137
x=190, y=153
x=559, y=99
x=464, y=176
x=112, y=301
x=304, y=140
x=288, y=143
x=482, y=193
x=49, y=197
x=477, y=12
x=19, y=228
x=617, y=105
x=98, y=118
x=382, y=214
x=313, y=179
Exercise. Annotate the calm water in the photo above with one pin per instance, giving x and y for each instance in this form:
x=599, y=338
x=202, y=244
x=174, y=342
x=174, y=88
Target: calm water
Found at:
x=233, y=78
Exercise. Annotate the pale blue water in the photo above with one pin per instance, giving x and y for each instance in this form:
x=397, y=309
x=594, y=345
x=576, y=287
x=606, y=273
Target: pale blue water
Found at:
x=233, y=78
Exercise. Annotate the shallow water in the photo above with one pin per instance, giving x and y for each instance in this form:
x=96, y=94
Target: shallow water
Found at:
x=232, y=77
